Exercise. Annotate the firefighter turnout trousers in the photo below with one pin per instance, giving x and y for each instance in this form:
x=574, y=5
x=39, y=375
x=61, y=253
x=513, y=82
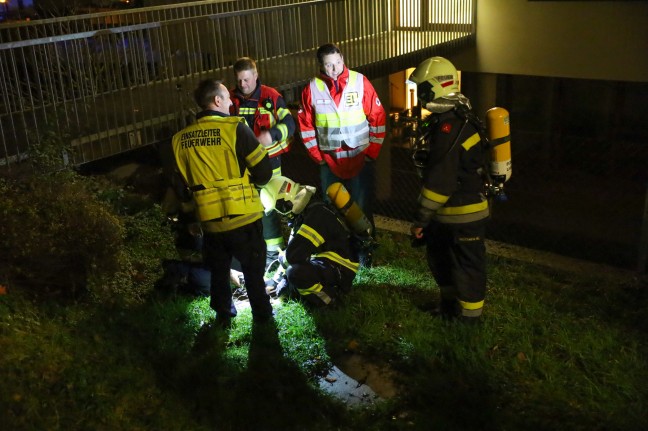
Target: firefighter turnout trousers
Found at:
x=320, y=281
x=456, y=255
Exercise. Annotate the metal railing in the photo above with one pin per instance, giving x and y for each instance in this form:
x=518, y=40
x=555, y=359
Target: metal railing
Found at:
x=114, y=81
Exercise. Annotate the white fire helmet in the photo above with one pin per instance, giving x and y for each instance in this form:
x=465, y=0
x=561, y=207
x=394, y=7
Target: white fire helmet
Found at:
x=434, y=78
x=285, y=196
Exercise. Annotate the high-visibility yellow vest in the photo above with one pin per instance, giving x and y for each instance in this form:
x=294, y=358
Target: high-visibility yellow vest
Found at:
x=346, y=123
x=205, y=153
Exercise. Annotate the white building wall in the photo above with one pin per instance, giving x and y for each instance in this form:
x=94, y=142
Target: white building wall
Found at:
x=605, y=40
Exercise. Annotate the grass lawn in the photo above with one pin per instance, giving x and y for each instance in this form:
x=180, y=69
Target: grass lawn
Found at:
x=556, y=350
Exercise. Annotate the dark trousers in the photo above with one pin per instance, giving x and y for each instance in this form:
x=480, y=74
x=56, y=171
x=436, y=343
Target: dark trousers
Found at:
x=456, y=255
x=247, y=246
x=272, y=229
x=190, y=277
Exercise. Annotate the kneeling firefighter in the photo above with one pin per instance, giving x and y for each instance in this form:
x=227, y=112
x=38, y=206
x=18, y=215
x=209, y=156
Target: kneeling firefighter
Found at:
x=319, y=260
x=452, y=207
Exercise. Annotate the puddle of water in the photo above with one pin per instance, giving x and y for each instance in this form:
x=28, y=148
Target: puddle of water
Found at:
x=356, y=381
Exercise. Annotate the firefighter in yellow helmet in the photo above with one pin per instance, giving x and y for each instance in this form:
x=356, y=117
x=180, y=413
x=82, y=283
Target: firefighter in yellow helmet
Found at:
x=452, y=209
x=319, y=258
x=222, y=164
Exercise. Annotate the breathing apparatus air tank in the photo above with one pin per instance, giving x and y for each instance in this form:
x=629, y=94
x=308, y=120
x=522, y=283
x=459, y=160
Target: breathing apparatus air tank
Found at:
x=499, y=137
x=353, y=214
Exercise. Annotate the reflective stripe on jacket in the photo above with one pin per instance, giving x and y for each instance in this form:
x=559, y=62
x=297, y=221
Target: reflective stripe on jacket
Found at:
x=452, y=190
x=263, y=111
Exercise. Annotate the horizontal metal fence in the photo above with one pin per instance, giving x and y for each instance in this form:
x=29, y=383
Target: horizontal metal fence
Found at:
x=114, y=81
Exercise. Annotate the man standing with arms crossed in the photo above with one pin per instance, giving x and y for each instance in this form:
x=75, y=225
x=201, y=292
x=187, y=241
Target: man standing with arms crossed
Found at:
x=266, y=113
x=222, y=164
x=342, y=124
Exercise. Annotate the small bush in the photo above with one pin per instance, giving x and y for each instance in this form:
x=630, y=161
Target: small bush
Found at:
x=51, y=151
x=54, y=230
x=58, y=236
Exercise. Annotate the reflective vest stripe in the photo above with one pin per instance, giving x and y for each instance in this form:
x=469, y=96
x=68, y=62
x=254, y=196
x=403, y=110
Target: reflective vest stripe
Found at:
x=345, y=123
x=332, y=119
x=339, y=155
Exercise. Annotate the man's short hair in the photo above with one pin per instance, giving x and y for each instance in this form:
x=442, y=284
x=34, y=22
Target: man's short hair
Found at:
x=206, y=91
x=327, y=49
x=244, y=63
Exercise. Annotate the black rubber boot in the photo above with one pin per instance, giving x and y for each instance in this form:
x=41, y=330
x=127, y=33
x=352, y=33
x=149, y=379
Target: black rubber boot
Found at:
x=448, y=309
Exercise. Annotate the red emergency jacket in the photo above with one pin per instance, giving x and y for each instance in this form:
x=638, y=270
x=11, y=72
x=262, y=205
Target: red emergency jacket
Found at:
x=266, y=109
x=339, y=161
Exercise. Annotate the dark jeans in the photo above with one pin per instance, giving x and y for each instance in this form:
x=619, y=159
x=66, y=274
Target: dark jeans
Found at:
x=272, y=229
x=190, y=277
x=247, y=246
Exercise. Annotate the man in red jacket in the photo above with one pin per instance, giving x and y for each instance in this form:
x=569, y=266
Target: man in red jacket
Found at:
x=342, y=124
x=266, y=113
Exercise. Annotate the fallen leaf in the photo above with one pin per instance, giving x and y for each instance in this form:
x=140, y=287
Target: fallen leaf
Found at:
x=353, y=345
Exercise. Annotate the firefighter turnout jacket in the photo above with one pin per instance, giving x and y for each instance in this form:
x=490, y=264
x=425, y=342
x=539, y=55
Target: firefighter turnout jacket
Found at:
x=222, y=163
x=266, y=109
x=452, y=190
x=319, y=253
x=342, y=122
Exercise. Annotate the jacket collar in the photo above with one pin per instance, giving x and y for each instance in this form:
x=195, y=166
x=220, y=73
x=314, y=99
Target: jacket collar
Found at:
x=209, y=113
x=343, y=78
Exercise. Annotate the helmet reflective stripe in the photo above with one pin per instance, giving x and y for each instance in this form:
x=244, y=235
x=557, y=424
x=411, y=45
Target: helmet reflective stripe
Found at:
x=435, y=77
